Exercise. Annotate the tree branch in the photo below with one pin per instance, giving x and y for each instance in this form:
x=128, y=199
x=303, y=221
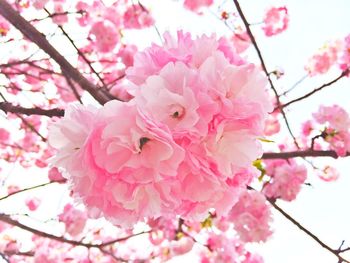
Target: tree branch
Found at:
x=252, y=39
x=8, y=107
x=343, y=74
x=305, y=153
x=39, y=39
x=7, y=219
x=335, y=252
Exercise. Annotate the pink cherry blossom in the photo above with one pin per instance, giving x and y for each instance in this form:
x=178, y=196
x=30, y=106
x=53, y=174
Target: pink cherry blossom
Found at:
x=55, y=175
x=126, y=53
x=181, y=246
x=136, y=17
x=73, y=219
x=324, y=59
x=275, y=21
x=329, y=174
x=272, y=125
x=40, y=4
x=62, y=18
x=4, y=135
x=286, y=180
x=335, y=116
x=106, y=35
x=193, y=124
x=345, y=54
x=251, y=216
x=194, y=5
x=33, y=203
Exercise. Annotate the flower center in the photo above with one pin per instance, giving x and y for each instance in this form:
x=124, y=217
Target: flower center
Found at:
x=177, y=111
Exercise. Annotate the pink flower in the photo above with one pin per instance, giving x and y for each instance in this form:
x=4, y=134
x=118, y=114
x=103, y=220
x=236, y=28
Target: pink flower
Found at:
x=61, y=18
x=329, y=174
x=345, y=54
x=106, y=35
x=126, y=53
x=272, y=125
x=335, y=116
x=55, y=175
x=275, y=21
x=33, y=203
x=324, y=58
x=251, y=216
x=194, y=5
x=4, y=135
x=181, y=246
x=193, y=123
x=307, y=128
x=136, y=17
x=73, y=219
x=286, y=180
x=40, y=4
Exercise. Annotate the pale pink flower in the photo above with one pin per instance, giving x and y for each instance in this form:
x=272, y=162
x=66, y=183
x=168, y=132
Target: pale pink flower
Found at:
x=193, y=123
x=62, y=18
x=328, y=174
x=181, y=246
x=324, y=59
x=275, y=21
x=126, y=53
x=335, y=116
x=106, y=35
x=307, y=128
x=251, y=217
x=4, y=135
x=286, y=179
x=137, y=17
x=73, y=219
x=272, y=124
x=39, y=4
x=345, y=54
x=194, y=5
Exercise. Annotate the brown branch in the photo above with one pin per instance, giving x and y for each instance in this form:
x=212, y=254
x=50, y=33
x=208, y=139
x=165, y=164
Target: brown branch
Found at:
x=252, y=39
x=39, y=39
x=29, y=188
x=344, y=73
x=7, y=219
x=301, y=153
x=8, y=107
x=335, y=252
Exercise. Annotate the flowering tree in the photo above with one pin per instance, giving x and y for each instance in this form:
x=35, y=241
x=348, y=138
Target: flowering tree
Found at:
x=183, y=147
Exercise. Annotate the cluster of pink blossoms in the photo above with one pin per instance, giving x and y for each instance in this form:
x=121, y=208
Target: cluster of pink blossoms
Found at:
x=251, y=216
x=332, y=123
x=182, y=145
x=194, y=5
x=276, y=21
x=286, y=179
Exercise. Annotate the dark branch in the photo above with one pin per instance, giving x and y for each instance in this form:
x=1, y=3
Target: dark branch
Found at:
x=305, y=153
x=252, y=39
x=335, y=252
x=344, y=73
x=7, y=219
x=39, y=39
x=8, y=107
